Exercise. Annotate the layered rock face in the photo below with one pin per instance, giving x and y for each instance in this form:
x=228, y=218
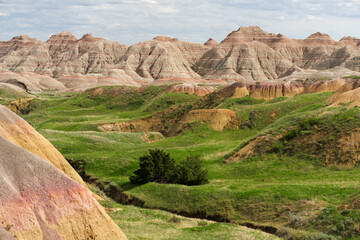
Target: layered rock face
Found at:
x=61, y=54
x=42, y=196
x=265, y=90
x=218, y=119
x=31, y=82
x=248, y=54
x=38, y=201
x=347, y=93
x=191, y=89
x=18, y=131
x=254, y=55
x=162, y=57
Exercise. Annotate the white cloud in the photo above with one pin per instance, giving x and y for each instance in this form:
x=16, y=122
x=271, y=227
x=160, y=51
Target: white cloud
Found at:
x=24, y=25
x=149, y=1
x=131, y=21
x=314, y=18
x=165, y=9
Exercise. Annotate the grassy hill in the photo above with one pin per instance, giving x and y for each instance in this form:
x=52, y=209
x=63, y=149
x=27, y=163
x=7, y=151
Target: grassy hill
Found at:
x=139, y=223
x=299, y=175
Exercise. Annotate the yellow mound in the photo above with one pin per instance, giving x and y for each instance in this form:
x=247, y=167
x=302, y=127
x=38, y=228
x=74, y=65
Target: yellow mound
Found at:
x=352, y=97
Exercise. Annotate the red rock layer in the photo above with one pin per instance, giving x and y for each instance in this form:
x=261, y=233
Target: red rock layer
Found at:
x=264, y=90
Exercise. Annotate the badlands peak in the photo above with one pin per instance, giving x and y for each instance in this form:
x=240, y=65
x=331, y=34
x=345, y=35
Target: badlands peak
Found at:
x=248, y=34
x=24, y=39
x=350, y=41
x=63, y=35
x=251, y=29
x=211, y=43
x=88, y=37
x=320, y=38
x=165, y=39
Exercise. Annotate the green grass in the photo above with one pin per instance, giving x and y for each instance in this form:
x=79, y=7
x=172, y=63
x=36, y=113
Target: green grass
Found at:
x=8, y=95
x=139, y=223
x=352, y=77
x=83, y=112
x=263, y=189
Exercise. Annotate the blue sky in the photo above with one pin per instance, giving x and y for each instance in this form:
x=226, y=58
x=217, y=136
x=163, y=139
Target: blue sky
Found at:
x=131, y=21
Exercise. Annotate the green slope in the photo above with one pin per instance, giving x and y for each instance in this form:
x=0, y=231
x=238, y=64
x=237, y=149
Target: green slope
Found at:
x=286, y=184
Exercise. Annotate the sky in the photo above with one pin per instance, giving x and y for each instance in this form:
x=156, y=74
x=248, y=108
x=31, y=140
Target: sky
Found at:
x=132, y=21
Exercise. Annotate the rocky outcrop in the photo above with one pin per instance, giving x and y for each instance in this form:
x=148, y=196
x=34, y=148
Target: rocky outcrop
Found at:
x=248, y=61
x=141, y=125
x=162, y=58
x=270, y=90
x=83, y=82
x=325, y=86
x=20, y=106
x=319, y=39
x=218, y=119
x=191, y=89
x=248, y=54
x=61, y=54
x=254, y=55
x=18, y=131
x=12, y=88
x=350, y=41
x=351, y=97
x=264, y=90
x=31, y=82
x=38, y=201
x=211, y=43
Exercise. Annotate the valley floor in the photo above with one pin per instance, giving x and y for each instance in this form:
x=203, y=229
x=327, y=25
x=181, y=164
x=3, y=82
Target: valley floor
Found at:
x=288, y=186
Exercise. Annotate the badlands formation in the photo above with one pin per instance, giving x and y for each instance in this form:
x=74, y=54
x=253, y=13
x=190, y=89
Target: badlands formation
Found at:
x=249, y=55
x=42, y=196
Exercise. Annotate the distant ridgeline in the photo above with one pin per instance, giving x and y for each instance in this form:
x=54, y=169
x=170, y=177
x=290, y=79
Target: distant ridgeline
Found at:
x=248, y=55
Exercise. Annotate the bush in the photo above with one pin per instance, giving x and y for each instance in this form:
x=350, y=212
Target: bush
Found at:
x=191, y=173
x=159, y=167
x=155, y=167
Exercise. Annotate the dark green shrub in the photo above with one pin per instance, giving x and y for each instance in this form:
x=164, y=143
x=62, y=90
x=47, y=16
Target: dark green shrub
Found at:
x=249, y=101
x=291, y=134
x=191, y=172
x=310, y=122
x=155, y=167
x=277, y=148
x=159, y=167
x=305, y=125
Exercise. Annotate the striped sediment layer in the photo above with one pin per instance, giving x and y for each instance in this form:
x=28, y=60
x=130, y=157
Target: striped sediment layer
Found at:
x=38, y=201
x=18, y=131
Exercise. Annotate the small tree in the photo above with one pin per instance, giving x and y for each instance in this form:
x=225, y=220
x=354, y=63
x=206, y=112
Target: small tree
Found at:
x=155, y=167
x=191, y=171
x=159, y=167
